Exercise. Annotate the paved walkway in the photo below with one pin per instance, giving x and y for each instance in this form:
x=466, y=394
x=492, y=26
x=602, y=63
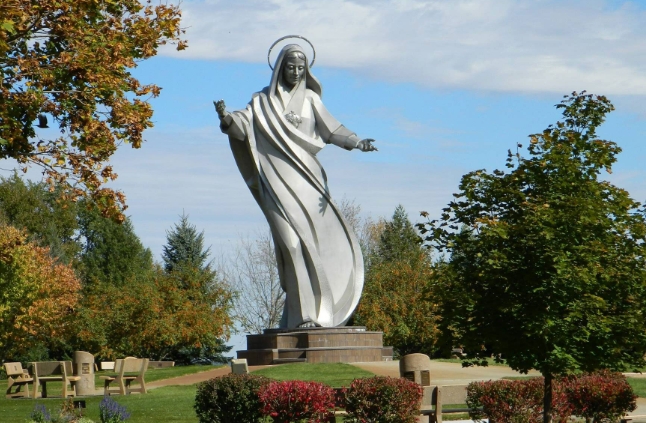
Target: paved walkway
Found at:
x=441, y=374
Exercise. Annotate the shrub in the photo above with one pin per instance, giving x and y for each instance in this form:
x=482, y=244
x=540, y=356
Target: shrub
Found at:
x=382, y=400
x=602, y=396
x=296, y=400
x=517, y=401
x=111, y=411
x=67, y=414
x=229, y=399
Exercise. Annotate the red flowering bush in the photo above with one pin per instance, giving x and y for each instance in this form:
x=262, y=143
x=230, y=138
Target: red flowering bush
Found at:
x=295, y=400
x=382, y=400
x=517, y=401
x=602, y=396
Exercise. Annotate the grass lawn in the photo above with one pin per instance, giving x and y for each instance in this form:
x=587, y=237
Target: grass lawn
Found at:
x=158, y=374
x=173, y=404
x=335, y=375
x=638, y=385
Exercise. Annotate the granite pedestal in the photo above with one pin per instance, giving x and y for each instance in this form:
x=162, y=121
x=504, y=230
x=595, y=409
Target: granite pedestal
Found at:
x=347, y=344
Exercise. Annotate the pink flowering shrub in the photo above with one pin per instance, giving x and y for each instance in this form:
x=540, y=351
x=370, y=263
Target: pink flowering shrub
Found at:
x=382, y=400
x=295, y=400
x=517, y=401
x=602, y=396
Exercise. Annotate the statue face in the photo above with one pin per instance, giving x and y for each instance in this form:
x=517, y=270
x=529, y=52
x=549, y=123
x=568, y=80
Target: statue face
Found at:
x=293, y=71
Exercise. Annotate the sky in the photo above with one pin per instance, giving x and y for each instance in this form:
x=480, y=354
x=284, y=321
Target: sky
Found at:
x=443, y=86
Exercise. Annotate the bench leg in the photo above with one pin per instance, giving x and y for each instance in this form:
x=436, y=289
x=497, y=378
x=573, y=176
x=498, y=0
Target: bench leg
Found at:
x=44, y=389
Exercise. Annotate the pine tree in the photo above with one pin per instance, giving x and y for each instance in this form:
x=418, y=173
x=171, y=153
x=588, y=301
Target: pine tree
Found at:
x=399, y=240
x=185, y=246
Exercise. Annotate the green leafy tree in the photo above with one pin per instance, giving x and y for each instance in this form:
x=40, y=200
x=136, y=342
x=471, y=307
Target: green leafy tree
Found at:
x=49, y=220
x=185, y=247
x=158, y=317
x=70, y=60
x=112, y=252
x=549, y=261
x=397, y=298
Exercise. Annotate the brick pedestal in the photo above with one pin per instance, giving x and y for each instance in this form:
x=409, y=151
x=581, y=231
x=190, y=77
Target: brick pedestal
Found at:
x=346, y=344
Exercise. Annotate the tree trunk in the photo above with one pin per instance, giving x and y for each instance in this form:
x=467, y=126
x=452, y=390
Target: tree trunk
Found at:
x=547, y=399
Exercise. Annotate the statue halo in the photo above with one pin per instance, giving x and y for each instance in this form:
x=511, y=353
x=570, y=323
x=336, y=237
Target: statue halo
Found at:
x=291, y=36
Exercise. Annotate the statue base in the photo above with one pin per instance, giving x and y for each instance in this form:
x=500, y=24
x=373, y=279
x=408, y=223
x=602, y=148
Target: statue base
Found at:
x=345, y=344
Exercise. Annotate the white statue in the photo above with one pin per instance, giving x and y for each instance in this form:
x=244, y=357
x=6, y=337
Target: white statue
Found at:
x=274, y=142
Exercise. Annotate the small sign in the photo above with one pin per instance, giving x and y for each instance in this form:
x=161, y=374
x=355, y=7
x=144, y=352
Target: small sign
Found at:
x=85, y=368
x=426, y=378
x=410, y=376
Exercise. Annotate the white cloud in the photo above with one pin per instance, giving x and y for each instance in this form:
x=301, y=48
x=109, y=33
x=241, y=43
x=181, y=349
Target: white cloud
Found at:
x=494, y=45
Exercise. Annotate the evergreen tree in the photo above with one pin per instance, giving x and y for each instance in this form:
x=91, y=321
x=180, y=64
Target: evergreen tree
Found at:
x=399, y=240
x=185, y=247
x=112, y=252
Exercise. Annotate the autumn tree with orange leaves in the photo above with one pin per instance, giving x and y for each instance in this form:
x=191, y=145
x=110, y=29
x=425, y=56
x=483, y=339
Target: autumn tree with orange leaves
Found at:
x=38, y=296
x=158, y=318
x=69, y=61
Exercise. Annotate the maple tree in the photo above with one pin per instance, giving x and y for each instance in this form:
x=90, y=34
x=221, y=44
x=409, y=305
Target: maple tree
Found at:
x=547, y=259
x=70, y=60
x=38, y=296
x=157, y=317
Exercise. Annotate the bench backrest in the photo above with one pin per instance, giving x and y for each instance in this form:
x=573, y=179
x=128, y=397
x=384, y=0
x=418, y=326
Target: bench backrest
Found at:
x=449, y=394
x=13, y=369
x=52, y=368
x=46, y=368
x=130, y=365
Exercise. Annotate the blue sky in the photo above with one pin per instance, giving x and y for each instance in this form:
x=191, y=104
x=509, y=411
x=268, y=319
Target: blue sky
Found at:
x=444, y=87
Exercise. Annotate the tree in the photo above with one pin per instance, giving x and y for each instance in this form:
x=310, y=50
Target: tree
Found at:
x=69, y=60
x=48, y=219
x=397, y=296
x=185, y=247
x=112, y=252
x=38, y=297
x=549, y=260
x=158, y=317
x=253, y=273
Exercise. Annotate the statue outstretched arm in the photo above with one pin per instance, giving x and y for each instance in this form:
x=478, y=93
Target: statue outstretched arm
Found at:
x=221, y=109
x=332, y=132
x=228, y=123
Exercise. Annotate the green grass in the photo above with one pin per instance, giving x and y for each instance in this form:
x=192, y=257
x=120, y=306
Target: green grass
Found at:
x=332, y=374
x=153, y=375
x=172, y=404
x=638, y=385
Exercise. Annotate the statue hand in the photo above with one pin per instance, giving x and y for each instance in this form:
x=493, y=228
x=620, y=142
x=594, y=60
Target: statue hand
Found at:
x=220, y=108
x=366, y=145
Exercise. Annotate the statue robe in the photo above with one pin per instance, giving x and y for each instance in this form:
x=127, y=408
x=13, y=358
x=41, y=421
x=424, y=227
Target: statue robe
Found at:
x=319, y=259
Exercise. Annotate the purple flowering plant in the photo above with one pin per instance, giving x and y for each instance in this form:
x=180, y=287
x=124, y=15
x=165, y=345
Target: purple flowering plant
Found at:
x=111, y=411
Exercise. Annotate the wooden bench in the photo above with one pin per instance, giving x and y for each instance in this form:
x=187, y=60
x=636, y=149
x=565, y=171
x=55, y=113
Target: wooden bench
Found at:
x=49, y=371
x=127, y=370
x=18, y=377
